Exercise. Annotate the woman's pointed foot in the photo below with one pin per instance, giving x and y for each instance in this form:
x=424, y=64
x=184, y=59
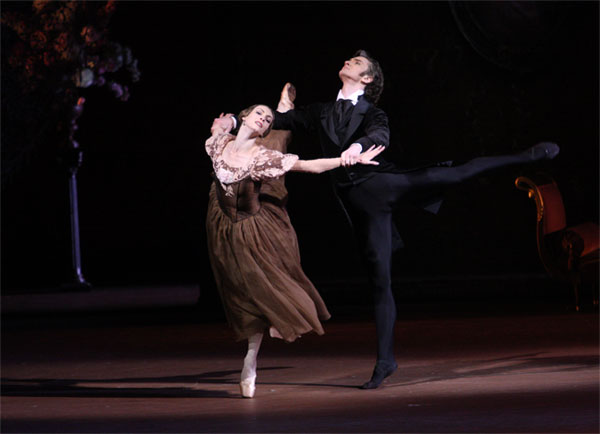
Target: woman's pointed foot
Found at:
x=274, y=333
x=248, y=387
x=383, y=369
x=543, y=151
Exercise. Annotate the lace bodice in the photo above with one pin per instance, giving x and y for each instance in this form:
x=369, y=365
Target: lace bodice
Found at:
x=267, y=164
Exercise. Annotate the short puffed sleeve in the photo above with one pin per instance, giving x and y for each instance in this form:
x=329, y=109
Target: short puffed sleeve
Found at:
x=272, y=164
x=214, y=145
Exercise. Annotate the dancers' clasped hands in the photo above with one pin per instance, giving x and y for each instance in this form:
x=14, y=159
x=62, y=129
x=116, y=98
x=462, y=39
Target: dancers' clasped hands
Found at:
x=222, y=124
x=364, y=157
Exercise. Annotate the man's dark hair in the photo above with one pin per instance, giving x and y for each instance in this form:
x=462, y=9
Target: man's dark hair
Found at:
x=374, y=89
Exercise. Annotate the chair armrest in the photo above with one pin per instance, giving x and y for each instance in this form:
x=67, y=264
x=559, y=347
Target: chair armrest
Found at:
x=548, y=200
x=582, y=239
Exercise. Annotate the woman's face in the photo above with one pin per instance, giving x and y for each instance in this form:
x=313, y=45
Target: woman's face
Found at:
x=259, y=119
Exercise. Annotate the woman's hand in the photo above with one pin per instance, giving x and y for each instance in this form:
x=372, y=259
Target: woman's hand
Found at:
x=369, y=154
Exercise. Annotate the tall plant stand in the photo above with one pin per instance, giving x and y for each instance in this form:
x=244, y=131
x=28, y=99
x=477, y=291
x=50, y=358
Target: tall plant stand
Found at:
x=74, y=158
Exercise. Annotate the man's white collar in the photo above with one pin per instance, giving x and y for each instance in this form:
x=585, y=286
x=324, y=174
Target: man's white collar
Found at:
x=353, y=97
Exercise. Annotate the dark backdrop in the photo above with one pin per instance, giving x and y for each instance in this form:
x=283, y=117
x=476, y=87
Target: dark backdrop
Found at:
x=461, y=80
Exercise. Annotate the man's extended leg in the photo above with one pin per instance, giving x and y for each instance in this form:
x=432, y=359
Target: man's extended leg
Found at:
x=440, y=176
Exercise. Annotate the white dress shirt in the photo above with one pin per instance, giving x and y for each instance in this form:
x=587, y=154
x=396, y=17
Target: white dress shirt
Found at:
x=354, y=98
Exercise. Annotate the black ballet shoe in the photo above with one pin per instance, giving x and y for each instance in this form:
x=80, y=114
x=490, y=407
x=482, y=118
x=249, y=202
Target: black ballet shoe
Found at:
x=543, y=151
x=382, y=370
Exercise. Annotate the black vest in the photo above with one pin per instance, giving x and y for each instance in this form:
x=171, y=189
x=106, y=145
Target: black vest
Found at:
x=342, y=112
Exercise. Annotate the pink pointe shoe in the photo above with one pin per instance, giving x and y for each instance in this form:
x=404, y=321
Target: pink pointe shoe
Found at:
x=248, y=387
x=274, y=333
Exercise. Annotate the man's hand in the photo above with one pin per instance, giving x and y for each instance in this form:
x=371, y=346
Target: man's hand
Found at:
x=350, y=156
x=222, y=124
x=367, y=156
x=286, y=100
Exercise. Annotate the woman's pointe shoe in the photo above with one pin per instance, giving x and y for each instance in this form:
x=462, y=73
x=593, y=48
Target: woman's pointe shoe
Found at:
x=274, y=333
x=248, y=387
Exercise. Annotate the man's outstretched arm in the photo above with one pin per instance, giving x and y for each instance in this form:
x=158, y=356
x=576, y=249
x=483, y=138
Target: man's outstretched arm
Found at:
x=288, y=117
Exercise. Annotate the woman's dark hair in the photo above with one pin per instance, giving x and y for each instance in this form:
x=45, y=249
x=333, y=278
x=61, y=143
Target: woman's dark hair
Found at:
x=248, y=110
x=374, y=89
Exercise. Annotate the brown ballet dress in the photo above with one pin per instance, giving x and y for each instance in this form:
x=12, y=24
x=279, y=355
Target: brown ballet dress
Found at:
x=254, y=252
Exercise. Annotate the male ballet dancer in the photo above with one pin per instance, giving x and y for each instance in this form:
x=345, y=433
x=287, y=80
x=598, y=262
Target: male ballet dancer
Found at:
x=369, y=193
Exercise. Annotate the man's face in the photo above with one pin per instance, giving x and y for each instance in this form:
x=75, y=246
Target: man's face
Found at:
x=354, y=70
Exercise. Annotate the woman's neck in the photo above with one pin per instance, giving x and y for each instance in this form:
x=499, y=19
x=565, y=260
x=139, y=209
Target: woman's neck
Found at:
x=245, y=140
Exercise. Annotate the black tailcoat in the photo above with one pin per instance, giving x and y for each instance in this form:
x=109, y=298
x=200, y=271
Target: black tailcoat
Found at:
x=368, y=126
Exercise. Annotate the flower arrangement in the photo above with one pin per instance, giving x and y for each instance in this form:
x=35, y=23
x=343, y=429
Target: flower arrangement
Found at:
x=51, y=52
x=64, y=44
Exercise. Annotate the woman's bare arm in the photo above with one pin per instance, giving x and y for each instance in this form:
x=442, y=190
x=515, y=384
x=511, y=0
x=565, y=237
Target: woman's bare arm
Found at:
x=321, y=165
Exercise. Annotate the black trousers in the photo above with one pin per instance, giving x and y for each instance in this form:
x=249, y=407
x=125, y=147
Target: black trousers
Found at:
x=370, y=204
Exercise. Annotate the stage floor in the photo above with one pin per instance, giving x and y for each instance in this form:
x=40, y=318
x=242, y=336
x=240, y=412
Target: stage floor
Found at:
x=166, y=370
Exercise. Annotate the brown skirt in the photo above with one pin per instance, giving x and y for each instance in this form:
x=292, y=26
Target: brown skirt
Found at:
x=256, y=265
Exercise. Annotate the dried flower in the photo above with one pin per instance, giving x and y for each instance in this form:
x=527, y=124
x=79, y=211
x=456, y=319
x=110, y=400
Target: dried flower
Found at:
x=64, y=14
x=38, y=40
x=19, y=27
x=60, y=43
x=38, y=5
x=110, y=6
x=49, y=58
x=30, y=66
x=90, y=35
x=116, y=88
x=84, y=78
x=64, y=44
x=125, y=96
